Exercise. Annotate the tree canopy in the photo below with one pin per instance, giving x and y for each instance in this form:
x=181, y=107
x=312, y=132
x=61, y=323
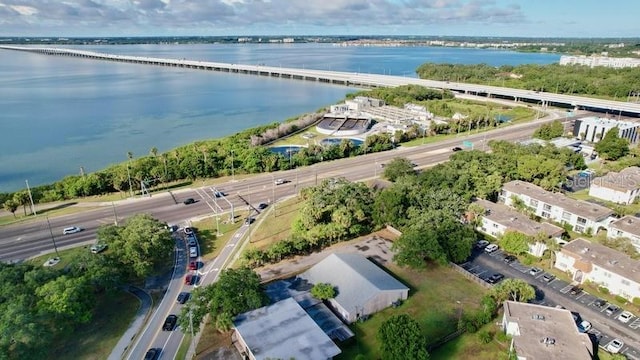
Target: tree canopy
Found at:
x=400, y=337
x=514, y=242
x=323, y=291
x=611, y=146
x=549, y=131
x=397, y=168
x=513, y=289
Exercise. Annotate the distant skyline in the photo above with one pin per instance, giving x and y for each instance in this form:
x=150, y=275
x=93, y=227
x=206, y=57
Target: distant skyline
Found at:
x=501, y=18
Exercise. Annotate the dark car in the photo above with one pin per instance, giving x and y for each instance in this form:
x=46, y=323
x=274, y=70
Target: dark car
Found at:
x=575, y=290
x=188, y=231
x=249, y=220
x=189, y=201
x=191, y=279
x=495, y=278
x=548, y=277
x=191, y=240
x=170, y=323
x=600, y=302
x=262, y=206
x=457, y=148
x=183, y=297
x=152, y=354
x=509, y=259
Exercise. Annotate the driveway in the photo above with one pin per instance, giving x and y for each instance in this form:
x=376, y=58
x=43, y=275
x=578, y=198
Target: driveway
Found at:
x=557, y=292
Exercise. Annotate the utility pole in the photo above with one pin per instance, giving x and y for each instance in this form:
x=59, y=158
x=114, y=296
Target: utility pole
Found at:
x=233, y=176
x=33, y=208
x=129, y=155
x=55, y=247
x=115, y=215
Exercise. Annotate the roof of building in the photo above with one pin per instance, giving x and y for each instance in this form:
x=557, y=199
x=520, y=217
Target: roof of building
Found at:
x=356, y=278
x=283, y=331
x=626, y=180
x=546, y=333
x=513, y=220
x=581, y=208
x=609, y=123
x=604, y=257
x=629, y=224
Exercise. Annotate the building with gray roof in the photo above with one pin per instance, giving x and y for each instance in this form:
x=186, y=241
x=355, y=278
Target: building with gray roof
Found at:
x=282, y=331
x=362, y=287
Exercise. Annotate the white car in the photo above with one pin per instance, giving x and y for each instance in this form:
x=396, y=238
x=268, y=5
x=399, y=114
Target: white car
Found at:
x=280, y=181
x=625, y=316
x=614, y=346
x=193, y=252
x=71, y=230
x=491, y=248
x=584, y=326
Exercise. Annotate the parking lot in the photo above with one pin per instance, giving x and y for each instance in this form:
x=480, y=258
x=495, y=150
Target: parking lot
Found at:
x=551, y=291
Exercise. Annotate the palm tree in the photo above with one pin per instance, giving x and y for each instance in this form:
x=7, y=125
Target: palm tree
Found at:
x=129, y=156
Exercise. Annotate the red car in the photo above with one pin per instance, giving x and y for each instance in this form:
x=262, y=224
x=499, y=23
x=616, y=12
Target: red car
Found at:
x=193, y=265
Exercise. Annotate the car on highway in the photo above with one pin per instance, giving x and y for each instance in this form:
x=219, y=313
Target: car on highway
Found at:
x=262, y=206
x=456, y=149
x=495, y=278
x=491, y=248
x=190, y=279
x=98, y=248
x=535, y=271
x=625, y=316
x=152, y=354
x=509, y=259
x=249, y=220
x=183, y=297
x=281, y=181
x=193, y=265
x=548, y=277
x=218, y=194
x=614, y=346
x=188, y=201
x=71, y=230
x=584, y=326
x=170, y=323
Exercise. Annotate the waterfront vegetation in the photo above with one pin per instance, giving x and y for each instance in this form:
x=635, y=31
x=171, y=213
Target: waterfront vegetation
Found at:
x=599, y=81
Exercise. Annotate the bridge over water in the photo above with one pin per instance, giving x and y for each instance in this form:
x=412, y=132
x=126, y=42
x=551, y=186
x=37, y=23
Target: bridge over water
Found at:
x=360, y=80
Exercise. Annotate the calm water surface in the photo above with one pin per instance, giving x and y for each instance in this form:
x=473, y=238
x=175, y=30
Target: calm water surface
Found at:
x=60, y=113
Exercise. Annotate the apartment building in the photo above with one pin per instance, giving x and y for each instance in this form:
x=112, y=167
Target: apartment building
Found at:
x=627, y=227
x=619, y=187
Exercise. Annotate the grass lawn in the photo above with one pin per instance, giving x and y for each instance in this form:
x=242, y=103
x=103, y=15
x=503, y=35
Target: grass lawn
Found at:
x=96, y=339
x=276, y=224
x=212, y=341
x=437, y=298
x=469, y=346
x=67, y=257
x=210, y=244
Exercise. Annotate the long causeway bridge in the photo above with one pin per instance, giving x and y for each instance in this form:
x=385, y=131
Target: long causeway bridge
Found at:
x=359, y=80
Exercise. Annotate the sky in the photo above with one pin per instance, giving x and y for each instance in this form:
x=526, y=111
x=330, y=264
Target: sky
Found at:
x=504, y=18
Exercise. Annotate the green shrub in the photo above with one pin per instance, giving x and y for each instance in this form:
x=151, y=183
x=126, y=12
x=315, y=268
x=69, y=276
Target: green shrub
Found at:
x=603, y=290
x=636, y=301
x=502, y=337
x=485, y=336
x=620, y=300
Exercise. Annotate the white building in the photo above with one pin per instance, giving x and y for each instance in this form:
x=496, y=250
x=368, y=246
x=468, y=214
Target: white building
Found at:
x=584, y=217
x=602, y=266
x=595, y=60
x=594, y=128
x=627, y=227
x=621, y=188
x=498, y=219
x=543, y=332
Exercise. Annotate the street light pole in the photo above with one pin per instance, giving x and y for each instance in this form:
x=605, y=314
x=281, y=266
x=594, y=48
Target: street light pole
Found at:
x=115, y=215
x=233, y=176
x=55, y=247
x=33, y=208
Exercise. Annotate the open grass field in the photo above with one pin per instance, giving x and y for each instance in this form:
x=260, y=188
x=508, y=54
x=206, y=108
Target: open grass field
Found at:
x=437, y=298
x=96, y=339
x=210, y=244
x=276, y=224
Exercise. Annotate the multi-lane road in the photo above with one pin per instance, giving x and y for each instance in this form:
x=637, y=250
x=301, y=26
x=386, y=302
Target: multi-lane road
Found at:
x=20, y=241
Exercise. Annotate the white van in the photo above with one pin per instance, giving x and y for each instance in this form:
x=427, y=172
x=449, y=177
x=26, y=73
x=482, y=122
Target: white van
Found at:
x=193, y=252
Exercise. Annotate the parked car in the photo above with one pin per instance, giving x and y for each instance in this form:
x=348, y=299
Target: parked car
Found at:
x=191, y=240
x=71, y=230
x=548, y=277
x=584, y=326
x=152, y=354
x=600, y=302
x=188, y=201
x=495, y=278
x=535, y=271
x=188, y=230
x=509, y=259
x=481, y=244
x=611, y=309
x=614, y=346
x=281, y=181
x=98, y=248
x=575, y=290
x=170, y=323
x=193, y=252
x=491, y=248
x=183, y=297
x=625, y=316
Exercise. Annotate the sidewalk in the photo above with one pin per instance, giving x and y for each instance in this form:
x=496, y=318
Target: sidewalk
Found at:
x=138, y=322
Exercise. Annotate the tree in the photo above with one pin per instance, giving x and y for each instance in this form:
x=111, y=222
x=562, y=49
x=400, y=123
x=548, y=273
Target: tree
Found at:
x=514, y=242
x=323, y=291
x=549, y=131
x=612, y=147
x=68, y=298
x=11, y=206
x=513, y=289
x=398, y=168
x=400, y=337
